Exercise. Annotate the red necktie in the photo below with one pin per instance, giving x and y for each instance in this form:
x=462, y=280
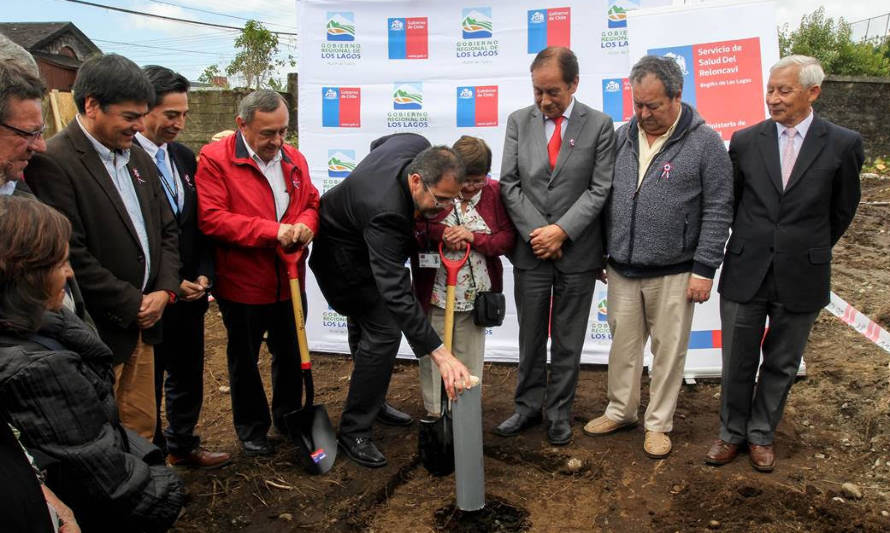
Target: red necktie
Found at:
x=555, y=142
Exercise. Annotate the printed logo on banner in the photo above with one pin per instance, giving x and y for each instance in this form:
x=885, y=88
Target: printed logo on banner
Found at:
x=617, y=13
x=477, y=28
x=339, y=46
x=549, y=27
x=333, y=321
x=341, y=26
x=618, y=99
x=721, y=72
x=477, y=106
x=407, y=105
x=615, y=38
x=341, y=107
x=476, y=23
x=340, y=163
x=599, y=326
x=408, y=38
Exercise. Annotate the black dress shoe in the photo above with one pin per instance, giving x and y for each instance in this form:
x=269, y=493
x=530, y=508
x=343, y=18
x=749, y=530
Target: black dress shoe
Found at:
x=516, y=423
x=362, y=451
x=560, y=432
x=391, y=416
x=257, y=447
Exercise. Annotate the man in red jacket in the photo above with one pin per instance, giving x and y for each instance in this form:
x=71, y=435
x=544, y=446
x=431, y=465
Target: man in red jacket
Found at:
x=255, y=195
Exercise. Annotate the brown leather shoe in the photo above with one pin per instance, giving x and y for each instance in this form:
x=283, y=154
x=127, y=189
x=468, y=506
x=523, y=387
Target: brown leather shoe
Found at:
x=763, y=459
x=200, y=458
x=721, y=453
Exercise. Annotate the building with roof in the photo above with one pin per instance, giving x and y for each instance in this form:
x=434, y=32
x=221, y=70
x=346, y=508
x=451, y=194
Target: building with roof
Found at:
x=58, y=47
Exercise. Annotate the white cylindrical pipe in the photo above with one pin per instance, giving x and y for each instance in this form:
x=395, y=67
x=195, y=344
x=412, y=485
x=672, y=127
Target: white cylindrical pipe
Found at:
x=469, y=470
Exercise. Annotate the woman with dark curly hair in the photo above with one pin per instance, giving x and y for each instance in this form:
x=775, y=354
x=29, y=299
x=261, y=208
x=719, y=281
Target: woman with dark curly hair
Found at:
x=56, y=386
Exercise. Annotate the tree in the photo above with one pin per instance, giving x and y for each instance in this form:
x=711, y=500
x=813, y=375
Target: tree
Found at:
x=257, y=59
x=831, y=43
x=213, y=75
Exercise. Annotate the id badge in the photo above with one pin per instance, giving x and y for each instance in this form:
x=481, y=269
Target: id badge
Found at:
x=429, y=260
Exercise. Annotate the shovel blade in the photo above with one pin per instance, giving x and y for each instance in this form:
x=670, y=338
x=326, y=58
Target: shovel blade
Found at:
x=311, y=430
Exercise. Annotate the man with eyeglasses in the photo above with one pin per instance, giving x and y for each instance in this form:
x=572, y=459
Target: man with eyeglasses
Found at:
x=21, y=125
x=366, y=234
x=254, y=196
x=124, y=242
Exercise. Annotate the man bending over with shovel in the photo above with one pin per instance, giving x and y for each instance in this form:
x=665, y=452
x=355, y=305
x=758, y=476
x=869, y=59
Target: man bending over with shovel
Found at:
x=366, y=234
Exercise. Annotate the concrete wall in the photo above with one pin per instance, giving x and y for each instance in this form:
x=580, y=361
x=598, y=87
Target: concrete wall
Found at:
x=861, y=104
x=211, y=111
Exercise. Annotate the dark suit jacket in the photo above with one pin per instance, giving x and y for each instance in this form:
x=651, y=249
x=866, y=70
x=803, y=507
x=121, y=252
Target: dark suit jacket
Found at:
x=195, y=253
x=365, y=236
x=105, y=251
x=792, y=230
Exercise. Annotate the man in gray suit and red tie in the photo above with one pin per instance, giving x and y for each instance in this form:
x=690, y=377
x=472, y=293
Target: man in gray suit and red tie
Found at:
x=796, y=182
x=555, y=177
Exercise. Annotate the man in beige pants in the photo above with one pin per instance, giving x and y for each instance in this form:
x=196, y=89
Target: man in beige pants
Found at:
x=667, y=222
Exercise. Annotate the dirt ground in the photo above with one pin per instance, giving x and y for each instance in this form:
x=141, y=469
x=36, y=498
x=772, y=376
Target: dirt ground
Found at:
x=836, y=430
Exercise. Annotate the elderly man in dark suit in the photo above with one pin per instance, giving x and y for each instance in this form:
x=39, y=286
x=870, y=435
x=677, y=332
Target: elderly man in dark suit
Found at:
x=365, y=236
x=124, y=243
x=555, y=177
x=179, y=358
x=796, y=181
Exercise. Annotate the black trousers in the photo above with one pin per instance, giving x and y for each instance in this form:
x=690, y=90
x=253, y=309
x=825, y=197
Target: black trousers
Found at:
x=751, y=407
x=179, y=375
x=374, y=339
x=246, y=325
x=545, y=296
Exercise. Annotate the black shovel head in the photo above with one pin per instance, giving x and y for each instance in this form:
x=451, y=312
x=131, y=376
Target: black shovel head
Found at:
x=311, y=430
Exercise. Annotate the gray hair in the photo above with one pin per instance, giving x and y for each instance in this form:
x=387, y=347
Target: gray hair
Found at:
x=664, y=68
x=263, y=100
x=433, y=163
x=9, y=51
x=17, y=81
x=810, y=73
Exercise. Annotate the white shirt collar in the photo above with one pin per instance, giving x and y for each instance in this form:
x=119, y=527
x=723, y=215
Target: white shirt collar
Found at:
x=802, y=127
x=566, y=113
x=259, y=160
x=105, y=153
x=7, y=188
x=149, y=146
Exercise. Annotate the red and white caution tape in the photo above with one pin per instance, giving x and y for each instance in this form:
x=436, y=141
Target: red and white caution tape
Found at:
x=861, y=323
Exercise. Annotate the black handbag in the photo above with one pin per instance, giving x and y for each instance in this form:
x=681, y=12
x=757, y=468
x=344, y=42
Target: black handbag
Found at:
x=489, y=308
x=436, y=441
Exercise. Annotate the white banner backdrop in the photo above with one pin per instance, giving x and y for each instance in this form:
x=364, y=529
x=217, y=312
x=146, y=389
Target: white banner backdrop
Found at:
x=445, y=69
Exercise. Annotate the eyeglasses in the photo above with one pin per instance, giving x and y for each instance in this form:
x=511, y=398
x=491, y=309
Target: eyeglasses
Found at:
x=29, y=136
x=440, y=201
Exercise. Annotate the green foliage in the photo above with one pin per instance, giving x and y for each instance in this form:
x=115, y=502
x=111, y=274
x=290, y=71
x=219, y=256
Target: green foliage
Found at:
x=831, y=43
x=877, y=165
x=257, y=57
x=211, y=74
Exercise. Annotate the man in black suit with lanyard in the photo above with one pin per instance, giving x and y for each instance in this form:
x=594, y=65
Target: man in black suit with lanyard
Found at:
x=796, y=189
x=181, y=354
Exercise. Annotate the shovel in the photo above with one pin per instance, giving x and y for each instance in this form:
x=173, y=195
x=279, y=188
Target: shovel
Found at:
x=309, y=427
x=466, y=413
x=435, y=443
